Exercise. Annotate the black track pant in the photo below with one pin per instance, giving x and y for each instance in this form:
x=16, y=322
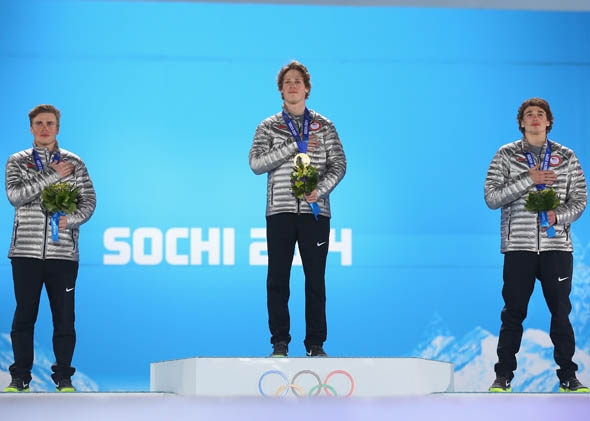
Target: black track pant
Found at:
x=282, y=232
x=554, y=270
x=59, y=278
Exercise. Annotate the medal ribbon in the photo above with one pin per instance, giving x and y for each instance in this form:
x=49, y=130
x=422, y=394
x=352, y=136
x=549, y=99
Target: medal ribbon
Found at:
x=544, y=167
x=302, y=145
x=39, y=163
x=54, y=220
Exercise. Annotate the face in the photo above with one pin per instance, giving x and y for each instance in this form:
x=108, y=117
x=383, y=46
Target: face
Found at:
x=44, y=129
x=294, y=89
x=534, y=121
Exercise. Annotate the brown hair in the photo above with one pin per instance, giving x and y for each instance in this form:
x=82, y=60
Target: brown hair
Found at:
x=44, y=108
x=295, y=65
x=534, y=102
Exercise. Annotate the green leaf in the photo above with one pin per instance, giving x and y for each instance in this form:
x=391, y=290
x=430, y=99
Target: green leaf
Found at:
x=542, y=200
x=60, y=197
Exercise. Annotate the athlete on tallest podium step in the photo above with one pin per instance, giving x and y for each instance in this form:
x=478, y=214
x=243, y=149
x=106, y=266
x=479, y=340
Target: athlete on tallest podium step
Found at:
x=293, y=147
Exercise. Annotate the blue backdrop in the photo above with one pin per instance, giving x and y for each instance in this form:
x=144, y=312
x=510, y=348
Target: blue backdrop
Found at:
x=161, y=100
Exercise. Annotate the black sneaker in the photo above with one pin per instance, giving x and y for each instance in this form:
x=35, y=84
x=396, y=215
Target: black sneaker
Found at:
x=316, y=351
x=501, y=384
x=65, y=385
x=17, y=385
x=280, y=349
x=572, y=385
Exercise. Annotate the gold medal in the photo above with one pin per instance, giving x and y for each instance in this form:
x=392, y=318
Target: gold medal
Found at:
x=305, y=159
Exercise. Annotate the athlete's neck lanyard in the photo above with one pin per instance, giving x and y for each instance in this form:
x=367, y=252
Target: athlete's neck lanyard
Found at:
x=544, y=164
x=38, y=161
x=301, y=142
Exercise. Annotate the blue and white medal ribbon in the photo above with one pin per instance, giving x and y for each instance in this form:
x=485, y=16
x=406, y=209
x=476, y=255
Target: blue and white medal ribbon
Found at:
x=302, y=146
x=544, y=167
x=54, y=220
x=301, y=142
x=39, y=163
x=55, y=225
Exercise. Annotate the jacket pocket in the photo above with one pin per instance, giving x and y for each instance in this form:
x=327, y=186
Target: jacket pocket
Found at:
x=270, y=193
x=15, y=229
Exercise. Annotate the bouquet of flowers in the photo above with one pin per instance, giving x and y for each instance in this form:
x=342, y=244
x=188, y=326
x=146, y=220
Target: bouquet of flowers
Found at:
x=542, y=201
x=304, y=179
x=59, y=199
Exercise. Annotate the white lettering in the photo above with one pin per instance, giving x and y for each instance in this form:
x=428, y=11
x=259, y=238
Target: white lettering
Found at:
x=198, y=246
x=154, y=236
x=229, y=247
x=258, y=249
x=344, y=246
x=181, y=246
x=172, y=256
x=112, y=244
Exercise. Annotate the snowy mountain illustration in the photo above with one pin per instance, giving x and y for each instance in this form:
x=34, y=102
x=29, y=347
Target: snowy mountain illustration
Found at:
x=41, y=374
x=474, y=355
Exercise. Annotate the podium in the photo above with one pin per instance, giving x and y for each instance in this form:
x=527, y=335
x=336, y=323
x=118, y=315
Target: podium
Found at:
x=301, y=377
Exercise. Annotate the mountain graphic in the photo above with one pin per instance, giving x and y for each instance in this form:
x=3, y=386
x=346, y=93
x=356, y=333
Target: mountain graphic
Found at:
x=41, y=373
x=474, y=355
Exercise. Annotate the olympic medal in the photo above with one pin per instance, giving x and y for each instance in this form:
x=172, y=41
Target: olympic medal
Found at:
x=305, y=159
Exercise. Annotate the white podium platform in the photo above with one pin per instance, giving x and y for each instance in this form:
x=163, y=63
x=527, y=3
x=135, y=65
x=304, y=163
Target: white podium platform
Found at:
x=301, y=377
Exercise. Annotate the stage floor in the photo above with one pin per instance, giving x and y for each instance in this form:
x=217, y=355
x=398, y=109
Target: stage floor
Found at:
x=151, y=406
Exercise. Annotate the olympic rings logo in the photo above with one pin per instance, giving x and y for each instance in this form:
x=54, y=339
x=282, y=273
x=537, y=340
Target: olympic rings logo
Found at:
x=299, y=390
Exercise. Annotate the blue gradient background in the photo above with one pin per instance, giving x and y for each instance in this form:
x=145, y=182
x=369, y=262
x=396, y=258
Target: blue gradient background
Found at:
x=161, y=100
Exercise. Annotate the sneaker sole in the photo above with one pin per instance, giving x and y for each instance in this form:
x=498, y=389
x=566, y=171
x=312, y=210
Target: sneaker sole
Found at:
x=66, y=390
x=13, y=390
x=499, y=390
x=580, y=390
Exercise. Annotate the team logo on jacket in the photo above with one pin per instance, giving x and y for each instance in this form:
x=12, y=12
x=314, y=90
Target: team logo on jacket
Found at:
x=520, y=159
x=554, y=161
x=281, y=126
x=315, y=125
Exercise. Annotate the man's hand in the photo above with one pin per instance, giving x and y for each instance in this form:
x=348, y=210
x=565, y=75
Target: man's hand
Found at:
x=312, y=197
x=313, y=143
x=542, y=177
x=63, y=168
x=63, y=222
x=551, y=218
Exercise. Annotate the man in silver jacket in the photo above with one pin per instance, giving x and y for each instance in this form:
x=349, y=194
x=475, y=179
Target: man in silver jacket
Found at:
x=532, y=251
x=289, y=220
x=36, y=258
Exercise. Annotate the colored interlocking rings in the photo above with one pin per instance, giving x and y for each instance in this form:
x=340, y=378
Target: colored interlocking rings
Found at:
x=298, y=390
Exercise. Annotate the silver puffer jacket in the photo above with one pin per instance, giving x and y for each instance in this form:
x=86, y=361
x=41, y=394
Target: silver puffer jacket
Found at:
x=31, y=232
x=508, y=183
x=273, y=151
